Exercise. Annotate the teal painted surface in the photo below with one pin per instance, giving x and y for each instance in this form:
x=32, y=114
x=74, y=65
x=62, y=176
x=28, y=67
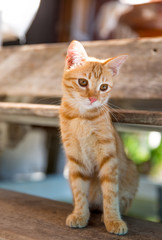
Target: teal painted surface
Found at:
x=54, y=187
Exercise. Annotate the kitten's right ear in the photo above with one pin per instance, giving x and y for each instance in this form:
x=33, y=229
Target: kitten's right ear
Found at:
x=76, y=55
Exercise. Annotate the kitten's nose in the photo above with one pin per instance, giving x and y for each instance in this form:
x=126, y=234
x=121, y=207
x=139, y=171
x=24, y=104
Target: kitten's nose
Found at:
x=92, y=99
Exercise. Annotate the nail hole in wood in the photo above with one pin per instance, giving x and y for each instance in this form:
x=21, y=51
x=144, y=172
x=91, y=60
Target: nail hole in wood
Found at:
x=154, y=50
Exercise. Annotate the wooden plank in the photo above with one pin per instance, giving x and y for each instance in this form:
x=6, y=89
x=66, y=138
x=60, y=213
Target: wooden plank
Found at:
x=31, y=114
x=47, y=115
x=30, y=120
x=27, y=109
x=37, y=70
x=25, y=217
x=142, y=117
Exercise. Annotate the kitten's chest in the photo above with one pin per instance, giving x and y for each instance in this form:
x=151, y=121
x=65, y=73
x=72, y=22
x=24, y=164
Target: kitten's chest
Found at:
x=84, y=132
x=87, y=146
x=82, y=129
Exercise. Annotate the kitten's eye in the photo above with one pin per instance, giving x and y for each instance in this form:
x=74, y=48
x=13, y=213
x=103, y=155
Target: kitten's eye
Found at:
x=104, y=87
x=82, y=82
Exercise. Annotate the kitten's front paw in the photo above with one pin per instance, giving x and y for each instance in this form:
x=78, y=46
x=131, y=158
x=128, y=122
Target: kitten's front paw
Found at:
x=77, y=221
x=118, y=227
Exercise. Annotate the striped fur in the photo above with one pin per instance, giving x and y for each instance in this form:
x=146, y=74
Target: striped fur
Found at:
x=100, y=174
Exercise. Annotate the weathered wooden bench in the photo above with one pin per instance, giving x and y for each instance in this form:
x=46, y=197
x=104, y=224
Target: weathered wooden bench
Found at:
x=30, y=92
x=33, y=74
x=24, y=217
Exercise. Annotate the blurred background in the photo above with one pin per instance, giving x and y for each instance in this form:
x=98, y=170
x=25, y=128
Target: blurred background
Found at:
x=32, y=159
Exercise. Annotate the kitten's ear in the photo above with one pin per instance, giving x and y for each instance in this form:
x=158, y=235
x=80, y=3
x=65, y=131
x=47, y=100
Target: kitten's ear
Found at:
x=76, y=54
x=115, y=64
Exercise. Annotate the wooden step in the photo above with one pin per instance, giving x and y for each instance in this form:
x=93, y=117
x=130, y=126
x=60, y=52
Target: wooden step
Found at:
x=48, y=115
x=25, y=217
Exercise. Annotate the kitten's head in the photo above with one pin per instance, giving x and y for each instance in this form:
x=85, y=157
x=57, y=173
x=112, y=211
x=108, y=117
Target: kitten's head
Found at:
x=87, y=81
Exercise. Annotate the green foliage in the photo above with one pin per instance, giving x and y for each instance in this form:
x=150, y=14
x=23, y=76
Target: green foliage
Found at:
x=138, y=150
x=136, y=146
x=156, y=159
x=156, y=154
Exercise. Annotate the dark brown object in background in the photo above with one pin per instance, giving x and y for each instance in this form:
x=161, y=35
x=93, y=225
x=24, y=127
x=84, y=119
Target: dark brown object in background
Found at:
x=44, y=26
x=64, y=23
x=52, y=22
x=159, y=202
x=53, y=144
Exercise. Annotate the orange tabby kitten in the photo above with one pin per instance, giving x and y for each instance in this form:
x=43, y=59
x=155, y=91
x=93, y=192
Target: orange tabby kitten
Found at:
x=100, y=174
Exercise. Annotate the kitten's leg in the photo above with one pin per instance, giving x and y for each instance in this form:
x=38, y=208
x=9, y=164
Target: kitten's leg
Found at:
x=80, y=188
x=109, y=184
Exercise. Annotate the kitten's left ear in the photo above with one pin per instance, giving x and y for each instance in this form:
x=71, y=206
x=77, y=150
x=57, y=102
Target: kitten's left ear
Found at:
x=115, y=64
x=76, y=54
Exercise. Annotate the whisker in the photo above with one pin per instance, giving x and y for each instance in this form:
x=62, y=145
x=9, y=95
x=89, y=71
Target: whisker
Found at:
x=115, y=110
x=46, y=100
x=114, y=106
x=113, y=115
x=105, y=109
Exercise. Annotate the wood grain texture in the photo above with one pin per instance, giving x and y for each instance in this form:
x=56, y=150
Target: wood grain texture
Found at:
x=48, y=115
x=40, y=110
x=25, y=217
x=142, y=117
x=30, y=114
x=37, y=70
